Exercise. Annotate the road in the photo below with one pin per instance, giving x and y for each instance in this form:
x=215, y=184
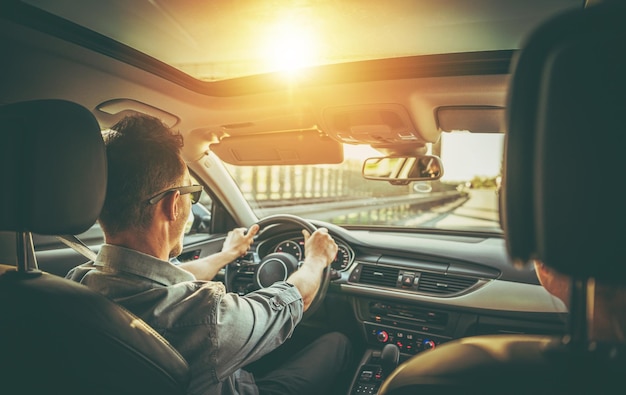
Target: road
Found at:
x=480, y=210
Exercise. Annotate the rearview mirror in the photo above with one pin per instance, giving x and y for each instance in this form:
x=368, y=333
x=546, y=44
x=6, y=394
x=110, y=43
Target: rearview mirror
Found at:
x=403, y=169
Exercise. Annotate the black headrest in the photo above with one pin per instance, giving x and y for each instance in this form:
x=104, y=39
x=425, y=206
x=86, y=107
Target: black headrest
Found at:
x=566, y=134
x=53, y=166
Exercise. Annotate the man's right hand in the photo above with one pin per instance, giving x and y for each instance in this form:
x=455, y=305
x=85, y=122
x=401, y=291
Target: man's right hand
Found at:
x=319, y=246
x=320, y=250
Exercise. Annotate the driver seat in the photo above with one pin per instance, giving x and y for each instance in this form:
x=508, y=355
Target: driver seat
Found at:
x=560, y=205
x=58, y=336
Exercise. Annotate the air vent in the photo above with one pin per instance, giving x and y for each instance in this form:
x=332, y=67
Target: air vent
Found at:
x=379, y=275
x=443, y=285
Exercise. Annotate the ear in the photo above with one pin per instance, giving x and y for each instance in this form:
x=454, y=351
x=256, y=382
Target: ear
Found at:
x=170, y=205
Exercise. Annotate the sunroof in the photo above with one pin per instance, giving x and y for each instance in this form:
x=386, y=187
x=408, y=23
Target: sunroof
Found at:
x=222, y=39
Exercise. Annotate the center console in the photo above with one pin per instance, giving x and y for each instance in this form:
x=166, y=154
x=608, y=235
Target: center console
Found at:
x=374, y=368
x=400, y=329
x=412, y=329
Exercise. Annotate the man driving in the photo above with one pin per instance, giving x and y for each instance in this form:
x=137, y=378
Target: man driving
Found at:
x=148, y=201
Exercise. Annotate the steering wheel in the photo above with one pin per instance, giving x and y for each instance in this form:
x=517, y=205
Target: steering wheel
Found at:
x=249, y=275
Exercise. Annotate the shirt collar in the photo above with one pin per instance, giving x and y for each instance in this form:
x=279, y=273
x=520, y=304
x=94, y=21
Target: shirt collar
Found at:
x=121, y=259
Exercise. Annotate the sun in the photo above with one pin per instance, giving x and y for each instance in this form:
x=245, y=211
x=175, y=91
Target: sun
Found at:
x=290, y=45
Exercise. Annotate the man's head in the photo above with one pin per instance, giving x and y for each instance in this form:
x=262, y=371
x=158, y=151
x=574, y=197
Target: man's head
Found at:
x=144, y=160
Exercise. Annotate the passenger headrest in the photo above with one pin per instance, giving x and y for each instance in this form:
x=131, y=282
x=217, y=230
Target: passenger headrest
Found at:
x=564, y=163
x=53, y=166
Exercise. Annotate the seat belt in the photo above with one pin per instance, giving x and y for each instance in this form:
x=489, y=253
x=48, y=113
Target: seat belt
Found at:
x=77, y=245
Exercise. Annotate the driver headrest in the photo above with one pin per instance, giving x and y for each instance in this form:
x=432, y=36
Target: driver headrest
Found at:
x=566, y=134
x=53, y=166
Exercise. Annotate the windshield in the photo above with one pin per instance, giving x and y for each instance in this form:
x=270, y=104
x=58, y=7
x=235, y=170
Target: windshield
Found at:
x=464, y=199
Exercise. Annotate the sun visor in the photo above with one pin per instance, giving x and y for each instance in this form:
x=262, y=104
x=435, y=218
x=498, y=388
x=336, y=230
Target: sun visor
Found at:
x=477, y=119
x=286, y=148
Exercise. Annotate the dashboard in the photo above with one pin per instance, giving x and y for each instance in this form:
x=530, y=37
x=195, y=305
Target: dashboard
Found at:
x=413, y=291
x=295, y=246
x=420, y=290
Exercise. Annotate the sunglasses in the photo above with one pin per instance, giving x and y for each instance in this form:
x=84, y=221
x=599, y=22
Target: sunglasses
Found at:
x=194, y=190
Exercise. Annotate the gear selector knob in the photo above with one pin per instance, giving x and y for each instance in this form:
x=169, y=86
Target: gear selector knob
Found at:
x=390, y=355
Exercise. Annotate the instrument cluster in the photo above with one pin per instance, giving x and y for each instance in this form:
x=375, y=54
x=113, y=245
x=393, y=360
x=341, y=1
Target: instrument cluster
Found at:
x=295, y=247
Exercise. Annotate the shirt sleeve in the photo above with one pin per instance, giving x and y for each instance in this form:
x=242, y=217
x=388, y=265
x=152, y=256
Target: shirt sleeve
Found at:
x=251, y=326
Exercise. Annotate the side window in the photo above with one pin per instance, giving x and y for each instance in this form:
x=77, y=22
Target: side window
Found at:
x=200, y=216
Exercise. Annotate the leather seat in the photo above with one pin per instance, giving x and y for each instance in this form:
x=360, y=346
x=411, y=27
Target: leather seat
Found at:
x=58, y=336
x=561, y=205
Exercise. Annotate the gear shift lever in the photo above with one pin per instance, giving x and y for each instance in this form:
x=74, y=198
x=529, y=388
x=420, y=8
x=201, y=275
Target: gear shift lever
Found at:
x=389, y=356
x=371, y=374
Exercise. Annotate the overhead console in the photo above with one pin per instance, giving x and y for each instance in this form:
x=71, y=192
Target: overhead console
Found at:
x=375, y=124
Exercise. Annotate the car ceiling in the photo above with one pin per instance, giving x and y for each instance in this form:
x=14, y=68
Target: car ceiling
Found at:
x=114, y=80
x=233, y=39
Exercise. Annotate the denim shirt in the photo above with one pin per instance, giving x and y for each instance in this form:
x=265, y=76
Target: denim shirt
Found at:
x=217, y=332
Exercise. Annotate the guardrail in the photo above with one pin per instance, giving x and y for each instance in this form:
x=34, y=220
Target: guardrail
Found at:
x=324, y=209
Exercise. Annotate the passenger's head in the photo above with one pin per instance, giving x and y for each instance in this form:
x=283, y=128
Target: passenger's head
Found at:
x=607, y=312
x=144, y=158
x=554, y=282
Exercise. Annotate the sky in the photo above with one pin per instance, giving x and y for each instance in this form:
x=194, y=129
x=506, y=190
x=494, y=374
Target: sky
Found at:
x=466, y=155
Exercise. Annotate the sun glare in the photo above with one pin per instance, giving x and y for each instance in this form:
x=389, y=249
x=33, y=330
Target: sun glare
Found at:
x=289, y=46
x=360, y=152
x=466, y=155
